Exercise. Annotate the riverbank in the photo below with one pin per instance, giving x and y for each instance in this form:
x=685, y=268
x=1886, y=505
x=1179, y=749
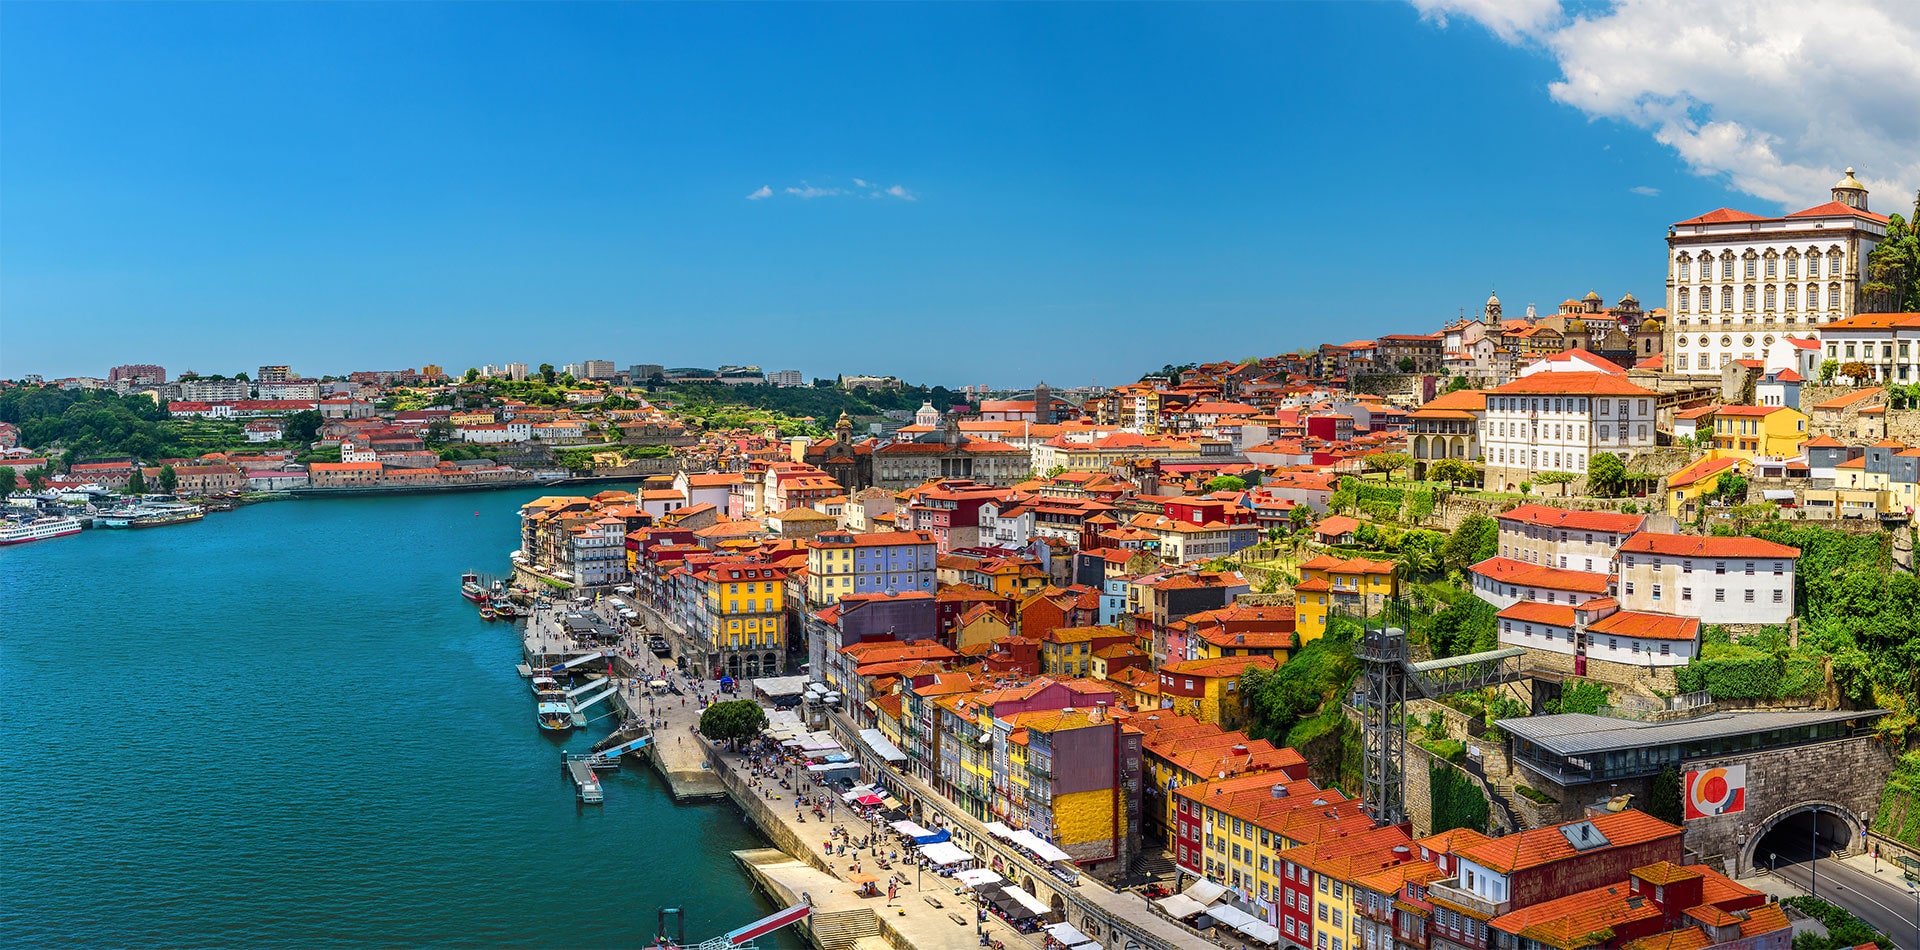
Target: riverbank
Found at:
x=425, y=810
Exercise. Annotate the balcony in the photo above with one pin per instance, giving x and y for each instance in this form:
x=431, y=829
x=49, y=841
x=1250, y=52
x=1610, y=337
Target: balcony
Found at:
x=1450, y=892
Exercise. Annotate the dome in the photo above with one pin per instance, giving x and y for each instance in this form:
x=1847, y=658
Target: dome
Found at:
x=1849, y=183
x=1651, y=326
x=1629, y=299
x=1493, y=299
x=1592, y=295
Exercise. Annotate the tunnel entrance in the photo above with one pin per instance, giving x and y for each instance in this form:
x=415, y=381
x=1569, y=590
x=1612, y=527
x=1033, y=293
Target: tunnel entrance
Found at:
x=1799, y=833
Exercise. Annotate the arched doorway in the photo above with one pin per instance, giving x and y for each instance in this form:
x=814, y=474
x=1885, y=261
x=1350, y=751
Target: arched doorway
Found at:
x=753, y=664
x=769, y=664
x=733, y=665
x=1799, y=832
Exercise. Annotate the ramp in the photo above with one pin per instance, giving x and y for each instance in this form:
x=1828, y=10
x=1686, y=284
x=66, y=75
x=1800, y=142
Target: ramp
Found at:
x=584, y=704
x=587, y=686
x=631, y=745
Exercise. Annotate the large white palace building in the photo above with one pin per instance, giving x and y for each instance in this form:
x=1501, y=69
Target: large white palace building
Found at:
x=1739, y=285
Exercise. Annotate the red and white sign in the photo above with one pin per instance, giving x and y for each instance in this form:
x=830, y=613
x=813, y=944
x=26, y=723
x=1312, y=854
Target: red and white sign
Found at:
x=1711, y=792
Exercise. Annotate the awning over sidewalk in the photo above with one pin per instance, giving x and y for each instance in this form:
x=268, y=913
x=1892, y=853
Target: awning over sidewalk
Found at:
x=1027, y=900
x=1180, y=905
x=944, y=853
x=1066, y=933
x=1205, y=891
x=882, y=746
x=1253, y=927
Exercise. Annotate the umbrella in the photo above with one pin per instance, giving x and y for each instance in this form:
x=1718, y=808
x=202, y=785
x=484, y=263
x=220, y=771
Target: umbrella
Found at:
x=861, y=878
x=868, y=799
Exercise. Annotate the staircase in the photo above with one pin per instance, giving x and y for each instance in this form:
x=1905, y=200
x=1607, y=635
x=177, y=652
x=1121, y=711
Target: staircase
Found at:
x=840, y=930
x=1150, y=863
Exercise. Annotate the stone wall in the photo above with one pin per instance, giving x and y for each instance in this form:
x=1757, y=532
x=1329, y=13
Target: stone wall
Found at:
x=1845, y=776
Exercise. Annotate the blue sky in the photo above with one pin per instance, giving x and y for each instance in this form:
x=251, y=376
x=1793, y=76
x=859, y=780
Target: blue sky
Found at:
x=1080, y=191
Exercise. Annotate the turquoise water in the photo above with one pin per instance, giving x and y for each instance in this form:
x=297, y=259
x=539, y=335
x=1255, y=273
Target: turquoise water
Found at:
x=282, y=727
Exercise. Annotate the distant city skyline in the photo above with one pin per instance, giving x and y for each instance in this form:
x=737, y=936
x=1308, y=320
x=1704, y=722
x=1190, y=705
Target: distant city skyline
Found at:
x=954, y=195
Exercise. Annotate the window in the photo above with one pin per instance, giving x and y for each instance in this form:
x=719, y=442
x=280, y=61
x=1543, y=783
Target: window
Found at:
x=1613, y=643
x=1749, y=598
x=1793, y=295
x=1793, y=270
x=1719, y=595
x=1746, y=296
x=1749, y=568
x=1719, y=567
x=1771, y=265
x=1656, y=592
x=1833, y=264
x=1666, y=649
x=1750, y=266
x=1779, y=597
x=1686, y=595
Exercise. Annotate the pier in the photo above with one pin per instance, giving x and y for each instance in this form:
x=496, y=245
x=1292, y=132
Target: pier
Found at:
x=585, y=783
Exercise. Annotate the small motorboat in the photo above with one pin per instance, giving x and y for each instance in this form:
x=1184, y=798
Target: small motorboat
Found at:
x=487, y=612
x=505, y=609
x=556, y=716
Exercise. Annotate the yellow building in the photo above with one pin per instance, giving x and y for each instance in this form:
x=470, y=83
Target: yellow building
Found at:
x=1685, y=486
x=1061, y=772
x=1356, y=585
x=1749, y=431
x=745, y=613
x=1068, y=651
x=1208, y=690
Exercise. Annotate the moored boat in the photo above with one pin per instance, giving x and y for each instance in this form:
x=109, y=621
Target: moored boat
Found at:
x=486, y=612
x=505, y=609
x=555, y=716
x=470, y=587
x=39, y=529
x=548, y=688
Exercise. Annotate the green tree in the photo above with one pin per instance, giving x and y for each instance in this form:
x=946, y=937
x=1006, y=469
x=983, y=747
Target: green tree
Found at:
x=1731, y=488
x=546, y=373
x=1299, y=518
x=1585, y=696
x=1227, y=483
x=1388, y=462
x=169, y=479
x=1407, y=364
x=1663, y=796
x=473, y=375
x=1893, y=267
x=137, y=482
x=1456, y=384
x=1556, y=478
x=8, y=481
x=1452, y=471
x=1828, y=368
x=303, y=426
x=1477, y=539
x=37, y=477
x=732, y=720
x=1420, y=553
x=1606, y=476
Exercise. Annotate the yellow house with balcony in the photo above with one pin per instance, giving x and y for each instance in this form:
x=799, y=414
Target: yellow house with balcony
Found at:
x=746, y=613
x=1686, y=486
x=1328, y=583
x=1749, y=431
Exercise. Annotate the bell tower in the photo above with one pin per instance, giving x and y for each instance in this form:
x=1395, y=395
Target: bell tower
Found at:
x=1850, y=192
x=1491, y=316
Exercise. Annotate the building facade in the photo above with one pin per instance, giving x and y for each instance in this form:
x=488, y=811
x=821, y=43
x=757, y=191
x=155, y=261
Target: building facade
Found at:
x=1740, y=285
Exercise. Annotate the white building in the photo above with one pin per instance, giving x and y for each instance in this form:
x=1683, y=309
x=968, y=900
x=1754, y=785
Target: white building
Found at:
x=1887, y=342
x=352, y=453
x=1503, y=582
x=1712, y=579
x=289, y=389
x=1557, y=421
x=1600, y=630
x=214, y=390
x=1740, y=285
x=495, y=433
x=786, y=378
x=1568, y=540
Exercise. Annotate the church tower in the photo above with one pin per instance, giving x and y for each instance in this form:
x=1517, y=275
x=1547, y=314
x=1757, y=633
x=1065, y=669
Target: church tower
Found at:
x=1850, y=192
x=1042, y=404
x=843, y=429
x=1492, y=314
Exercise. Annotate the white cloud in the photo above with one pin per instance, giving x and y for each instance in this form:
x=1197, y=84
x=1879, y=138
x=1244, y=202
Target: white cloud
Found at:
x=1645, y=190
x=810, y=191
x=866, y=189
x=1775, y=101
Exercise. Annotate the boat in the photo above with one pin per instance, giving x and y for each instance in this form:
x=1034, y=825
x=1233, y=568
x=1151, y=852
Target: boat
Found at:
x=149, y=515
x=486, y=611
x=555, y=716
x=504, y=608
x=39, y=529
x=470, y=587
x=547, y=686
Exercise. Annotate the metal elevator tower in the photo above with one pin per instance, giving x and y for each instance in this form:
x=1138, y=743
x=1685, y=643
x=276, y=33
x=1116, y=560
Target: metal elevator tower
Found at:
x=1383, y=656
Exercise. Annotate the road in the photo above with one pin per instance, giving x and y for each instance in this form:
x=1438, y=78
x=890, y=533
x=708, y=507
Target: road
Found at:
x=1883, y=901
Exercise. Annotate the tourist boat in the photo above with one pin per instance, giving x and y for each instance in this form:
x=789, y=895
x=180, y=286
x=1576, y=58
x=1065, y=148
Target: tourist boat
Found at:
x=556, y=716
x=39, y=529
x=149, y=516
x=548, y=689
x=471, y=589
x=504, y=608
x=486, y=611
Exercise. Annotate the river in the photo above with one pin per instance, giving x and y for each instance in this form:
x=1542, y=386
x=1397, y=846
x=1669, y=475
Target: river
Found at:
x=283, y=727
